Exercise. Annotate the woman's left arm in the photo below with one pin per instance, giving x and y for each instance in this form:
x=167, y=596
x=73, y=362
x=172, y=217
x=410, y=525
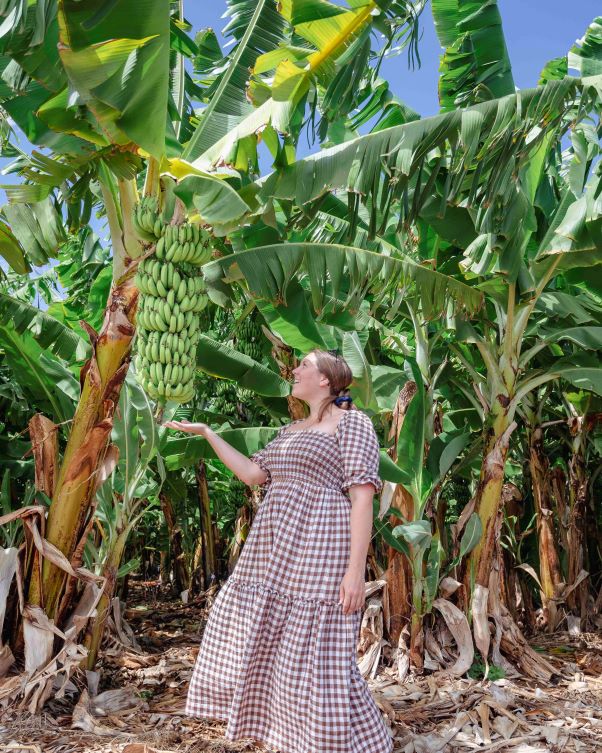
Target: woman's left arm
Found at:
x=353, y=590
x=360, y=454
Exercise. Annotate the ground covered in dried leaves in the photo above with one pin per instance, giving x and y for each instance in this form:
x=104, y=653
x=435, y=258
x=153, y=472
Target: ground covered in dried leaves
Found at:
x=134, y=704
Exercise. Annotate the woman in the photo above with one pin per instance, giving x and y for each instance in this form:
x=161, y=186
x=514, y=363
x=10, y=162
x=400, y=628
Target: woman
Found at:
x=278, y=655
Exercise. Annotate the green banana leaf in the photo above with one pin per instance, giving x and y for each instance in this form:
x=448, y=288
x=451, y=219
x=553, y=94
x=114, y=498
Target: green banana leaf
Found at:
x=11, y=250
x=220, y=360
x=394, y=171
x=116, y=56
x=335, y=270
x=410, y=444
x=49, y=386
x=216, y=202
x=49, y=333
x=38, y=228
x=257, y=27
x=475, y=65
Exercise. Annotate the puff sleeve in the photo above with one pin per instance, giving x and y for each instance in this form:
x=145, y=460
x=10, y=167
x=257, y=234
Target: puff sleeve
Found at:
x=360, y=451
x=261, y=458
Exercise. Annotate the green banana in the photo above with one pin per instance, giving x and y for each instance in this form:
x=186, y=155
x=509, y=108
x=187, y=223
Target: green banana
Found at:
x=177, y=279
x=151, y=288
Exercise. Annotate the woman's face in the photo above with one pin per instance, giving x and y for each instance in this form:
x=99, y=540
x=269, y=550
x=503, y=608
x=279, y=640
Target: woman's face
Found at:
x=308, y=380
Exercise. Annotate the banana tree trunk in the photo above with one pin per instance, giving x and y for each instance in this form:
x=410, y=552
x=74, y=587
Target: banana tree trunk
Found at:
x=210, y=566
x=178, y=563
x=398, y=573
x=101, y=377
x=401, y=595
x=549, y=561
x=489, y=494
x=510, y=585
x=577, y=599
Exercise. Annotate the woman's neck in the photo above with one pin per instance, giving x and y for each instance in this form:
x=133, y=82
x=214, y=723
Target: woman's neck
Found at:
x=314, y=410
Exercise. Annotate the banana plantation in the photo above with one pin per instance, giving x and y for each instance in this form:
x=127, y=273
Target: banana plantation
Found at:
x=187, y=213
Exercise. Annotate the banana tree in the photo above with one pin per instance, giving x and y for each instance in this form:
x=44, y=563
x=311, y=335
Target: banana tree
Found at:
x=416, y=537
x=582, y=418
x=505, y=374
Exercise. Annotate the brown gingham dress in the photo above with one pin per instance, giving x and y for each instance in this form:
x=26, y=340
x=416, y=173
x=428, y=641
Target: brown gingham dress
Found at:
x=278, y=657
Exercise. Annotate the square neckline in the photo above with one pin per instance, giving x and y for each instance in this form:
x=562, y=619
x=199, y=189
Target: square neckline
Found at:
x=285, y=429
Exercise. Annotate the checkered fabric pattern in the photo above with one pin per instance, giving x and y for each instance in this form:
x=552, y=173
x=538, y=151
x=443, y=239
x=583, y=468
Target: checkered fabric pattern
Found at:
x=278, y=658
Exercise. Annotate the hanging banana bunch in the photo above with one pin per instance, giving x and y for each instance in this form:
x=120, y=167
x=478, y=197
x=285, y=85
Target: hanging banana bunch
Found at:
x=172, y=293
x=224, y=399
x=248, y=341
x=249, y=336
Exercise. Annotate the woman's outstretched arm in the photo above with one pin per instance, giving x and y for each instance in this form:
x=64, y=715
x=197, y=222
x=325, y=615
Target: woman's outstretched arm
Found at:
x=246, y=470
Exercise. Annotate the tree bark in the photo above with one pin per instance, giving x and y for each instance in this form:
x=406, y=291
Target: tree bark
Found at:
x=45, y=449
x=178, y=563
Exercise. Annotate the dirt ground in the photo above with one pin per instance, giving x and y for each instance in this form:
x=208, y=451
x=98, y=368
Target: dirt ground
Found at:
x=134, y=703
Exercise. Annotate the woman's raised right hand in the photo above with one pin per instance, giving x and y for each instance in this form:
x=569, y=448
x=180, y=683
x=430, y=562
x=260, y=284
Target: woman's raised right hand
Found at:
x=190, y=428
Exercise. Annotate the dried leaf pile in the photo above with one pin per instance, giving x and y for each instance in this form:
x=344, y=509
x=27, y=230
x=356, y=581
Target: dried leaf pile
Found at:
x=134, y=703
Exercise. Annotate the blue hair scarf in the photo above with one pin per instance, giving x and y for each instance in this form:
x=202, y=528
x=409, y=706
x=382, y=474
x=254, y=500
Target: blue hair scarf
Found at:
x=342, y=399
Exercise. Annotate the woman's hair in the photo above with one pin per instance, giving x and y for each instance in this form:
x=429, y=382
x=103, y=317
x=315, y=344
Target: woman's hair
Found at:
x=337, y=370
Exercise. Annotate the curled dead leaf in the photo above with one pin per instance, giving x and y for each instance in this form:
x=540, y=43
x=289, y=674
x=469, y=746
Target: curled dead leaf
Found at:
x=458, y=626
